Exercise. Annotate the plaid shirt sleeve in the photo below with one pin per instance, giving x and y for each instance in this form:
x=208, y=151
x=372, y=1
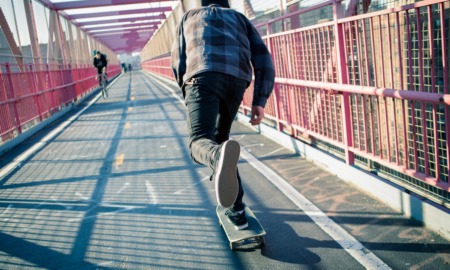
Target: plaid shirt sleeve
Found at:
x=262, y=66
x=178, y=56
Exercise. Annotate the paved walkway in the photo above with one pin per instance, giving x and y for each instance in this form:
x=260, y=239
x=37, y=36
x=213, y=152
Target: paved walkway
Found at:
x=113, y=187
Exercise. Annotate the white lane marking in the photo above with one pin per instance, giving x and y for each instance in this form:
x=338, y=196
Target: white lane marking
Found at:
x=124, y=208
x=273, y=152
x=196, y=184
x=6, y=210
x=151, y=193
x=93, y=115
x=125, y=186
x=55, y=200
x=81, y=196
x=364, y=256
x=256, y=144
x=16, y=162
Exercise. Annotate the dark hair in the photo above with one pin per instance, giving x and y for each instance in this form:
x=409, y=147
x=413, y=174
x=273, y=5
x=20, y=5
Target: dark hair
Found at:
x=98, y=52
x=222, y=3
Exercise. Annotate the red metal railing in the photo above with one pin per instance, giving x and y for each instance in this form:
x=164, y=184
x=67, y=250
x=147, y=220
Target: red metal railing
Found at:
x=159, y=66
x=32, y=93
x=374, y=86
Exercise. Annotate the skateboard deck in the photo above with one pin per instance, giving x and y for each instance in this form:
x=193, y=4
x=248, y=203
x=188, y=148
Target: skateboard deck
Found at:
x=254, y=233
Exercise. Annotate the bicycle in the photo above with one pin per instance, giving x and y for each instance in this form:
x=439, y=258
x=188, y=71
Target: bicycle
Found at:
x=103, y=81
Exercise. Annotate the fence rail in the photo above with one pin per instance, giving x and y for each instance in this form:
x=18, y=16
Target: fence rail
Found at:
x=32, y=93
x=373, y=87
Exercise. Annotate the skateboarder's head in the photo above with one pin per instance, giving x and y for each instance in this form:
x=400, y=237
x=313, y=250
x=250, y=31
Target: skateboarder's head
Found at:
x=222, y=3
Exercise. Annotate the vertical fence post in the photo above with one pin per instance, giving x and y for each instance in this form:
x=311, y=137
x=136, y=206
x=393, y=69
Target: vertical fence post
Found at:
x=71, y=79
x=276, y=90
x=35, y=91
x=277, y=101
x=342, y=71
x=445, y=71
x=63, y=92
x=51, y=88
x=15, y=101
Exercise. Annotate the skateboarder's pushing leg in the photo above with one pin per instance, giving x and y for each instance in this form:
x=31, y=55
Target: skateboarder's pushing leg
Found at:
x=212, y=59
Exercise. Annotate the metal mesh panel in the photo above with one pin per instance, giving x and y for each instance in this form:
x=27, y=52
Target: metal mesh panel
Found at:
x=6, y=55
x=23, y=32
x=161, y=42
x=41, y=16
x=309, y=18
x=66, y=40
x=8, y=34
x=7, y=7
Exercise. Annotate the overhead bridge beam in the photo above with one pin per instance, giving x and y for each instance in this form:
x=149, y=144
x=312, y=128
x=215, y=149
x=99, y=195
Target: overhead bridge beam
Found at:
x=99, y=3
x=134, y=19
x=116, y=13
x=150, y=25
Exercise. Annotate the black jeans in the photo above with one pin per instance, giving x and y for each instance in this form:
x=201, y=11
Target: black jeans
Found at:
x=212, y=100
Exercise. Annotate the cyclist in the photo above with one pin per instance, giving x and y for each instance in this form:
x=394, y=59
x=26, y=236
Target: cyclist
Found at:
x=100, y=62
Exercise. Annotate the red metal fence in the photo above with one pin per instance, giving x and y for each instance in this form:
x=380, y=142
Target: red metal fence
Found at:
x=160, y=66
x=32, y=93
x=374, y=88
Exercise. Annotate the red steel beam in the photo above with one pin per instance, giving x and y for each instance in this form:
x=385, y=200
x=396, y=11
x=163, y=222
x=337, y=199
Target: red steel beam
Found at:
x=116, y=13
x=118, y=40
x=98, y=3
x=134, y=19
x=123, y=31
x=151, y=26
x=124, y=44
x=120, y=35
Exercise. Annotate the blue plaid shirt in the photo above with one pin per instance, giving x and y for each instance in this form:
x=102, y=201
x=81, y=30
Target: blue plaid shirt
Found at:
x=222, y=40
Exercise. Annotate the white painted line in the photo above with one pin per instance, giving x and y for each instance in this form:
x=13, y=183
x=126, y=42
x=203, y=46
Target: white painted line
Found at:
x=125, y=208
x=16, y=162
x=81, y=196
x=273, y=152
x=255, y=144
x=364, y=256
x=54, y=199
x=125, y=186
x=151, y=193
x=6, y=210
x=191, y=186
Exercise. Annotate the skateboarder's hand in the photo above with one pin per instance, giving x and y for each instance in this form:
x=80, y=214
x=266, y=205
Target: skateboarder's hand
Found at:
x=257, y=115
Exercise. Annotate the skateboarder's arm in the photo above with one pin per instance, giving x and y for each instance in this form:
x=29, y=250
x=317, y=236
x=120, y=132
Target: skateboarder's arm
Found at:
x=178, y=56
x=262, y=66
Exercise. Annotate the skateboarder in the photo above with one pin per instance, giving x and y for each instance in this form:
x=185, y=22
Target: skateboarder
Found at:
x=213, y=53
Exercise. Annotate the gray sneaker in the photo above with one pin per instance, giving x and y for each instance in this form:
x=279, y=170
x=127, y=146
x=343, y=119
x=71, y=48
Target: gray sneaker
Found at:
x=225, y=173
x=237, y=218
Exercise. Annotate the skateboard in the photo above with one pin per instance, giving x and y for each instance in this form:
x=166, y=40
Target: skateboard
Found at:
x=254, y=233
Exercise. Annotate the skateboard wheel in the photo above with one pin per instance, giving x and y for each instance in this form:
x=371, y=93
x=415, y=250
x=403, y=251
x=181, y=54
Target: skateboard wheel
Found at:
x=261, y=241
